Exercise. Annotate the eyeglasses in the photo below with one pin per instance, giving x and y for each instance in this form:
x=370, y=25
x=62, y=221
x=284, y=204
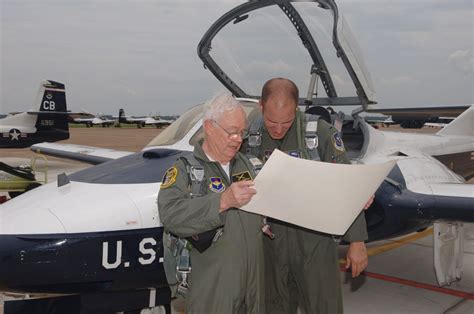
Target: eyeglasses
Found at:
x=234, y=135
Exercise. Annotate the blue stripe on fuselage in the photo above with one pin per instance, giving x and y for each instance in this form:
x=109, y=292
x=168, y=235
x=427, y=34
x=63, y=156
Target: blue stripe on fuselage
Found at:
x=78, y=262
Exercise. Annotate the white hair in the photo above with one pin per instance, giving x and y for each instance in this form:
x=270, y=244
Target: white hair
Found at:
x=222, y=103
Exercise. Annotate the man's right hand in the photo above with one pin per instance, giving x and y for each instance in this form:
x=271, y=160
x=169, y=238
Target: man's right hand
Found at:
x=237, y=195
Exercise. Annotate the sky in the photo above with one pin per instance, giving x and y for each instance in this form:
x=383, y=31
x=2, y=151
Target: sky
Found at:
x=140, y=55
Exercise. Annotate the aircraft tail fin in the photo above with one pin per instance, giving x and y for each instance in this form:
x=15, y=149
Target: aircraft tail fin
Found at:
x=52, y=114
x=462, y=125
x=122, y=118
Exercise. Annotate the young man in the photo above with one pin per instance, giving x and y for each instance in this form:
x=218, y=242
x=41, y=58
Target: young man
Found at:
x=301, y=266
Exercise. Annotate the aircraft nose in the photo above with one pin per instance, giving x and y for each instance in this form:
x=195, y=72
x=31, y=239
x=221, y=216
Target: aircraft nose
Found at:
x=21, y=216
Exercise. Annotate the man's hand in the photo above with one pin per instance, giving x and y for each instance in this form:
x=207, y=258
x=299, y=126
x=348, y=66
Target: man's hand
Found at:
x=357, y=258
x=369, y=202
x=237, y=195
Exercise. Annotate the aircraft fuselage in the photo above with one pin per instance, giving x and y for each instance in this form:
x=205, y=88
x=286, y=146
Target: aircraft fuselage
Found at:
x=82, y=262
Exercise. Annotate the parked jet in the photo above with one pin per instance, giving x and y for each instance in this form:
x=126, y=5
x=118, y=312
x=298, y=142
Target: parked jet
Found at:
x=108, y=246
x=142, y=122
x=96, y=120
x=47, y=124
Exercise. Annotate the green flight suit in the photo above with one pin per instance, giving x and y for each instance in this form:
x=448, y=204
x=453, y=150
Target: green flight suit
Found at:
x=301, y=266
x=229, y=276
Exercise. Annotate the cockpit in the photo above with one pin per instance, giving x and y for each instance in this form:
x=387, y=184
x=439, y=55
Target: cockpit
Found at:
x=308, y=42
x=186, y=131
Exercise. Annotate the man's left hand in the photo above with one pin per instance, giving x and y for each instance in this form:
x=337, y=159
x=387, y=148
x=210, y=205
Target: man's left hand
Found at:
x=357, y=258
x=369, y=202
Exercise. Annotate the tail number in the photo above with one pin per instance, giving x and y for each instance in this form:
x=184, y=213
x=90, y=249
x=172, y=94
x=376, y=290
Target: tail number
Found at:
x=47, y=122
x=112, y=260
x=49, y=105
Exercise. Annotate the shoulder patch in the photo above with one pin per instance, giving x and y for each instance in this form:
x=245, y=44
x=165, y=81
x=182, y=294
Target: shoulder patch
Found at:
x=241, y=176
x=216, y=185
x=169, y=178
x=337, y=141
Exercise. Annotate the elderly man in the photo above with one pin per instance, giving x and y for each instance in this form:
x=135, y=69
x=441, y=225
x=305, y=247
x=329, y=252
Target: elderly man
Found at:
x=301, y=265
x=227, y=277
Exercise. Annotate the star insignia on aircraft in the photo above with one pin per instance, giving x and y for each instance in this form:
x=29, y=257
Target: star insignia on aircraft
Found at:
x=15, y=135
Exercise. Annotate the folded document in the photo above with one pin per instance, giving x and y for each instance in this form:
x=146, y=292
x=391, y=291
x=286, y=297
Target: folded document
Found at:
x=321, y=196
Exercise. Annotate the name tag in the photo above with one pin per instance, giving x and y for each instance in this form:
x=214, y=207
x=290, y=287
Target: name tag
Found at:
x=241, y=176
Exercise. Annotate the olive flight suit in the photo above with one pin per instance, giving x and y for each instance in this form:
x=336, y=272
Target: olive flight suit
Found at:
x=228, y=277
x=301, y=265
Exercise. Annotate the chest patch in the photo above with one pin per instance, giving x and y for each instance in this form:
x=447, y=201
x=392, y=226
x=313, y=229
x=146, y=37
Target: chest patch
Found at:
x=294, y=153
x=169, y=178
x=241, y=176
x=216, y=185
x=337, y=141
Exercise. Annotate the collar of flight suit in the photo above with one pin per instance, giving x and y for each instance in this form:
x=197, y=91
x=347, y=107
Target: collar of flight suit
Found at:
x=201, y=155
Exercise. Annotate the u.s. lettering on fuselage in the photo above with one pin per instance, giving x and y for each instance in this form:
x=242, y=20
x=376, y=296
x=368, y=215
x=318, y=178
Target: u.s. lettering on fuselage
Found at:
x=112, y=253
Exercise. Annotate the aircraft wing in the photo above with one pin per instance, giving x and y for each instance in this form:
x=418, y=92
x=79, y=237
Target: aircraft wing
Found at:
x=453, y=189
x=131, y=119
x=87, y=154
x=422, y=112
x=58, y=113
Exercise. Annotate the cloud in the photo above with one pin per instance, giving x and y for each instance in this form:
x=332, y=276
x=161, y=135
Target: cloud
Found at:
x=278, y=66
x=143, y=52
x=338, y=80
x=397, y=81
x=462, y=60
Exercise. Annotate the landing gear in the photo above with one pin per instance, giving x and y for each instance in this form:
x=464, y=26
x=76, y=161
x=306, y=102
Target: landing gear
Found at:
x=448, y=251
x=412, y=124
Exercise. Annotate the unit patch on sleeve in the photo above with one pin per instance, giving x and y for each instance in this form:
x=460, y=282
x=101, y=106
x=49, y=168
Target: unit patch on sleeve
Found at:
x=169, y=178
x=337, y=141
x=241, y=176
x=216, y=185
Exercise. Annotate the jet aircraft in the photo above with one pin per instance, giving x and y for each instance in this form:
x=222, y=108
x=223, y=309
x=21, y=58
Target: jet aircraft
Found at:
x=142, y=122
x=111, y=248
x=95, y=120
x=47, y=124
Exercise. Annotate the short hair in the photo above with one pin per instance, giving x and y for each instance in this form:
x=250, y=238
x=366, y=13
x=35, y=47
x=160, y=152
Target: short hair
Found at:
x=220, y=104
x=280, y=86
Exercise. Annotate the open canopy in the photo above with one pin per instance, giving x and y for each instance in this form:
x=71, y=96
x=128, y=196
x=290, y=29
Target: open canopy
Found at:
x=298, y=40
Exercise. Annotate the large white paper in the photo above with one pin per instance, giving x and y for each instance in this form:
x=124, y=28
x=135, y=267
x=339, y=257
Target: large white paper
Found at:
x=321, y=196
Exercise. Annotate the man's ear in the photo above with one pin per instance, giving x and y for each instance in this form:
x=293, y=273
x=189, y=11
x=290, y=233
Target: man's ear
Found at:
x=260, y=105
x=207, y=125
